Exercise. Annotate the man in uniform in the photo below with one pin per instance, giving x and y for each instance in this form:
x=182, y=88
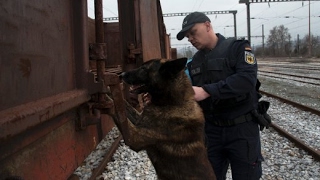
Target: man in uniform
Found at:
x=224, y=78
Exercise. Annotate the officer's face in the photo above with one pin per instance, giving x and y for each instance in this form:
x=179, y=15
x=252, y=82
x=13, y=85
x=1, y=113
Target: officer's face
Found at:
x=198, y=35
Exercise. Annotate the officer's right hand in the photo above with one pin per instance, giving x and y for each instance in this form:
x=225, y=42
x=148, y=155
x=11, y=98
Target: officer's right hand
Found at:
x=199, y=93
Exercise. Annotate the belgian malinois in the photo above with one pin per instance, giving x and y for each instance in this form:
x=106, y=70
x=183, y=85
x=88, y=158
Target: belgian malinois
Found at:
x=171, y=127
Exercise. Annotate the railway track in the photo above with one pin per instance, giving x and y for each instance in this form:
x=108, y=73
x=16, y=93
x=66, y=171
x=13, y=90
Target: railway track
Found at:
x=315, y=153
x=301, y=78
x=293, y=67
x=292, y=75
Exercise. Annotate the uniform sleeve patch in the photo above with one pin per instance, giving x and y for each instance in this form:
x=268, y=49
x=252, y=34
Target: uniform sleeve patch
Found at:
x=249, y=57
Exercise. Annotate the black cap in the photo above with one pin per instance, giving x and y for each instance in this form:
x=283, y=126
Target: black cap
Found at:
x=189, y=21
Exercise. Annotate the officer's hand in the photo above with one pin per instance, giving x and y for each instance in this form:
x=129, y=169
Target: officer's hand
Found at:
x=268, y=118
x=264, y=120
x=199, y=93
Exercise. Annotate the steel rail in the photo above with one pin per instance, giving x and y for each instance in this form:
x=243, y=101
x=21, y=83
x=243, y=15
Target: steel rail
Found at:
x=295, y=104
x=293, y=75
x=274, y=76
x=285, y=66
x=299, y=143
x=106, y=159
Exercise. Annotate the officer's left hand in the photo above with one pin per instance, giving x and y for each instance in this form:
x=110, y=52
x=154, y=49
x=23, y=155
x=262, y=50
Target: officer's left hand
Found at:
x=199, y=93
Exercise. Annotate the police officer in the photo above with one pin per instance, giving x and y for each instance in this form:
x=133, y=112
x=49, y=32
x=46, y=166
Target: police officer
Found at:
x=224, y=77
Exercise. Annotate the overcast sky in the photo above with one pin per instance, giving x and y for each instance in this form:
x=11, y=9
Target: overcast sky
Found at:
x=293, y=15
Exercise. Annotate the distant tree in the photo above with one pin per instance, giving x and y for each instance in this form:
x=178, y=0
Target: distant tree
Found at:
x=315, y=46
x=278, y=42
x=258, y=51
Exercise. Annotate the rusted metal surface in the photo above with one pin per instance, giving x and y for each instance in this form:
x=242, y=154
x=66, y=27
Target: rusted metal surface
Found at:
x=150, y=30
x=80, y=21
x=112, y=39
x=127, y=29
x=56, y=154
x=164, y=47
x=35, y=42
x=53, y=101
x=167, y=47
x=99, y=38
x=17, y=119
x=44, y=78
x=97, y=51
x=86, y=118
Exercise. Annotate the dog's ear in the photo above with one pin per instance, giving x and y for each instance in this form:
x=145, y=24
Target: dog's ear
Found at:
x=172, y=67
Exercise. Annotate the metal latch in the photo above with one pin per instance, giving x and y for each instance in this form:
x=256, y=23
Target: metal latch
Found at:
x=133, y=50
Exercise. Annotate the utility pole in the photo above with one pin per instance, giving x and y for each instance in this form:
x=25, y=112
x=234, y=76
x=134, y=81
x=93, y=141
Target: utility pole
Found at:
x=309, y=33
x=262, y=41
x=298, y=45
x=289, y=46
x=248, y=21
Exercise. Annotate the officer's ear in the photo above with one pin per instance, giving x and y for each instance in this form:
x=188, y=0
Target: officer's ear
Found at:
x=208, y=25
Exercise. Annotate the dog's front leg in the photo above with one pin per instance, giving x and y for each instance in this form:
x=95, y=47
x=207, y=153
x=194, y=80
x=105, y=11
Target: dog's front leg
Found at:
x=142, y=137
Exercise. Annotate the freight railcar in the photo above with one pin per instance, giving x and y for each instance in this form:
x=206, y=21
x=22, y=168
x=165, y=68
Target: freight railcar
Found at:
x=59, y=78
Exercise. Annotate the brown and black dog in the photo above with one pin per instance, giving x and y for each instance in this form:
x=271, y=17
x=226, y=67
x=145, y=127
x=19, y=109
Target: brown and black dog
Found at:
x=171, y=127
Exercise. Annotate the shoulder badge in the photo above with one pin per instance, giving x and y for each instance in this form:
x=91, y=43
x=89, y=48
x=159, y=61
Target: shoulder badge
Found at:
x=249, y=57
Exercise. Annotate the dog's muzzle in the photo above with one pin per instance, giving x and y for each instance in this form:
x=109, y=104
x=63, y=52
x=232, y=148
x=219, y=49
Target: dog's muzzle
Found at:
x=122, y=75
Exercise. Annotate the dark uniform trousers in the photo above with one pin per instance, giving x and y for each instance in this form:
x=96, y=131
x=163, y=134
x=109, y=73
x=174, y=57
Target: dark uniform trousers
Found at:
x=238, y=145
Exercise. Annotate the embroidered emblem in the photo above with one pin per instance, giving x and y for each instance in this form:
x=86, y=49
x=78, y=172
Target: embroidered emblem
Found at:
x=249, y=57
x=195, y=71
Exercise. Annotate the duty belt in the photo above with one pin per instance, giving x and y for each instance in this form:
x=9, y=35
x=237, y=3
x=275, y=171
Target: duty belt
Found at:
x=232, y=122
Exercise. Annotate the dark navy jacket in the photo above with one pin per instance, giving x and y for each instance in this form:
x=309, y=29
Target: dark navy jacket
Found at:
x=229, y=74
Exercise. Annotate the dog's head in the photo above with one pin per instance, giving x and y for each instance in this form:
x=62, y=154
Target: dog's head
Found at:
x=154, y=74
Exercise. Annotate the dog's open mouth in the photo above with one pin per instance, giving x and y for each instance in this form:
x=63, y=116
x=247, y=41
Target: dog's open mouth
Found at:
x=137, y=89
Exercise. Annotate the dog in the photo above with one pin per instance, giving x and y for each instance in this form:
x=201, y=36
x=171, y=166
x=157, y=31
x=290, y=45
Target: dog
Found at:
x=171, y=127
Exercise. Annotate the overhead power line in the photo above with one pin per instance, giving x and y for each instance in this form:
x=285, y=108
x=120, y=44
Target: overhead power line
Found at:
x=182, y=14
x=247, y=2
x=234, y=12
x=264, y=1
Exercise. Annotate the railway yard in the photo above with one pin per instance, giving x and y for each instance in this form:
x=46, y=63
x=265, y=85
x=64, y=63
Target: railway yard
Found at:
x=61, y=96
x=285, y=157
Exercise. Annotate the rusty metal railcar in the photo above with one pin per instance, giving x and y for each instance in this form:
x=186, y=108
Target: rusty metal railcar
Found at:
x=55, y=67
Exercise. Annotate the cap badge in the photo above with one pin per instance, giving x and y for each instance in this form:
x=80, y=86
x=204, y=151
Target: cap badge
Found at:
x=184, y=23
